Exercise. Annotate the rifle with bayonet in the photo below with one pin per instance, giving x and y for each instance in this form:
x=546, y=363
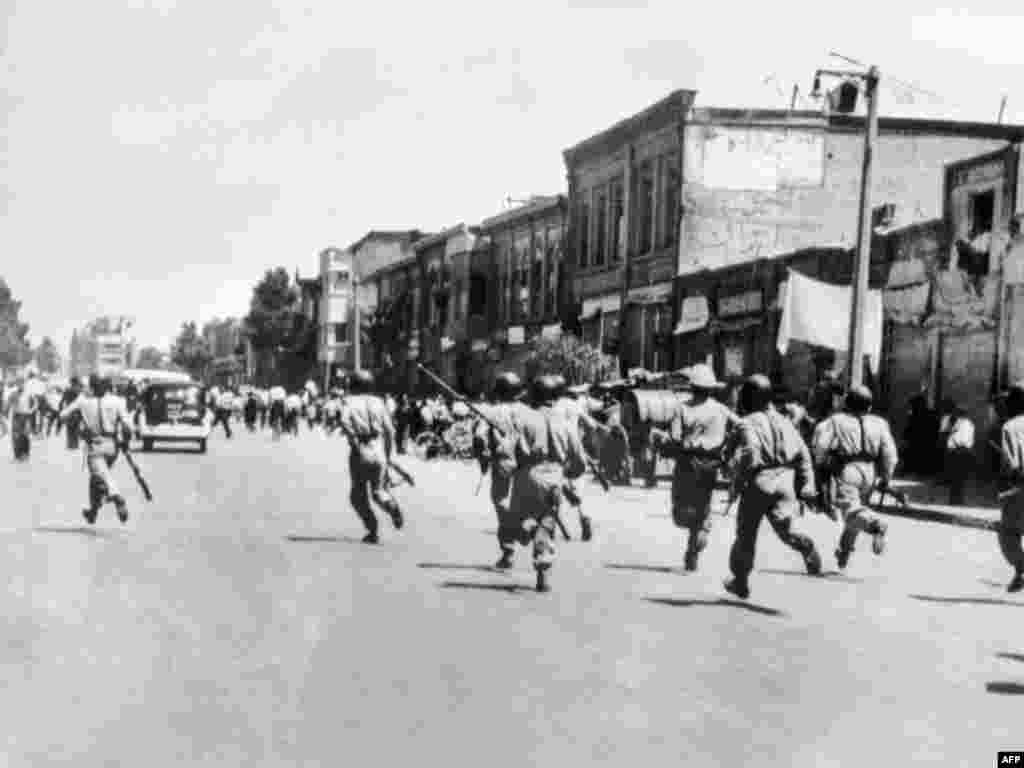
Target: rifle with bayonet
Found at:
x=500, y=432
x=391, y=465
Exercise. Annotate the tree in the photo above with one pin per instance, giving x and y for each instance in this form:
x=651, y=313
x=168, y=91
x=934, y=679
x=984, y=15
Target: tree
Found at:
x=568, y=355
x=150, y=359
x=271, y=318
x=14, y=347
x=46, y=356
x=191, y=351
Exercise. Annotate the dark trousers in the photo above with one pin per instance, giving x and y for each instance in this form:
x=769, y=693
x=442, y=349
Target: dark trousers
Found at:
x=756, y=504
x=693, y=483
x=959, y=467
x=222, y=416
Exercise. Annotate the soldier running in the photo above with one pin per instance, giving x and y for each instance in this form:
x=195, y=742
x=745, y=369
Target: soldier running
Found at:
x=548, y=452
x=497, y=453
x=367, y=424
x=697, y=437
x=104, y=424
x=576, y=417
x=854, y=453
x=1011, y=528
x=771, y=469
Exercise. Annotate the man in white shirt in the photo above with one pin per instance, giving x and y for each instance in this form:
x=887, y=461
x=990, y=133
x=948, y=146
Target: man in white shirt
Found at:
x=222, y=411
x=22, y=407
x=957, y=432
x=292, y=411
x=106, y=425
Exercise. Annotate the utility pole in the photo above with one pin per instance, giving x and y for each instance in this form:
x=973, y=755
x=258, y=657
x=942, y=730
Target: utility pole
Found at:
x=862, y=264
x=357, y=326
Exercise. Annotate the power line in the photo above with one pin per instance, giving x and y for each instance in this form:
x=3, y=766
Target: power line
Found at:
x=904, y=83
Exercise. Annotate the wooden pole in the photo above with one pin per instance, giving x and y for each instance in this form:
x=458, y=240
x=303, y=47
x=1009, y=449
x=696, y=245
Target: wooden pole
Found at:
x=1002, y=109
x=862, y=263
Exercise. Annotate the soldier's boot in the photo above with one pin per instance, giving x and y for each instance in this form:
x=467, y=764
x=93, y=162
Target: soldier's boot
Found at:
x=586, y=528
x=542, y=580
x=845, y=549
x=1017, y=584
x=739, y=587
x=371, y=537
x=97, y=498
x=505, y=561
x=121, y=507
x=812, y=561
x=89, y=513
x=395, y=512
x=878, y=538
x=695, y=545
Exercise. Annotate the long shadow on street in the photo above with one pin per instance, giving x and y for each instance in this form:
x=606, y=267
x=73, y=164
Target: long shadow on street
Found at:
x=719, y=603
x=966, y=600
x=1005, y=687
x=825, y=575
x=458, y=567
x=81, y=530
x=324, y=538
x=670, y=569
x=508, y=588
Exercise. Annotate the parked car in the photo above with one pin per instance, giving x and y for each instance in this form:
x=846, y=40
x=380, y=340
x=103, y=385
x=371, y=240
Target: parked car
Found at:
x=174, y=411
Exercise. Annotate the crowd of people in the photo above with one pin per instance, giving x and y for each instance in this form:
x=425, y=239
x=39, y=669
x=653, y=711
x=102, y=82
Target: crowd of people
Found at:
x=777, y=457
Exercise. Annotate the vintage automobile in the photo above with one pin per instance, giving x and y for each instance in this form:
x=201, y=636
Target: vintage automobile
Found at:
x=173, y=411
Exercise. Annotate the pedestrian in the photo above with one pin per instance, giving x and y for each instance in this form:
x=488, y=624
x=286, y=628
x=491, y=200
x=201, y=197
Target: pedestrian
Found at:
x=855, y=454
x=72, y=423
x=106, y=425
x=366, y=423
x=1011, y=527
x=222, y=410
x=957, y=434
x=496, y=452
x=263, y=409
x=576, y=419
x=292, y=412
x=276, y=398
x=251, y=410
x=697, y=439
x=771, y=469
x=23, y=406
x=548, y=452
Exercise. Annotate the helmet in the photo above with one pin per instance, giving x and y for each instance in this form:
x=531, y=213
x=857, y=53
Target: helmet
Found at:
x=360, y=381
x=544, y=389
x=701, y=377
x=859, y=399
x=507, y=386
x=756, y=393
x=1015, y=399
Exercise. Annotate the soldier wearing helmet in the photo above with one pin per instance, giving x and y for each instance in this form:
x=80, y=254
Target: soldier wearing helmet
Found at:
x=578, y=419
x=1011, y=529
x=548, y=452
x=771, y=467
x=367, y=424
x=696, y=439
x=496, y=452
x=854, y=451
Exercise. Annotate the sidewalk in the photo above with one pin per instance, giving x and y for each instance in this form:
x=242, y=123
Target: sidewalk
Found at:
x=928, y=500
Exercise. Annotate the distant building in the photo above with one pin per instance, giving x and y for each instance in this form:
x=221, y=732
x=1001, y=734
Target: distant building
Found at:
x=224, y=339
x=104, y=347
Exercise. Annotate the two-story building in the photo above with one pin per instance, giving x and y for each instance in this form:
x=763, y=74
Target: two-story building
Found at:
x=624, y=187
x=766, y=191
x=518, y=286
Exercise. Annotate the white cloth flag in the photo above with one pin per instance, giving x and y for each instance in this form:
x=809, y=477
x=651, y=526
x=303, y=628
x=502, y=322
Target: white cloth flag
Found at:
x=819, y=313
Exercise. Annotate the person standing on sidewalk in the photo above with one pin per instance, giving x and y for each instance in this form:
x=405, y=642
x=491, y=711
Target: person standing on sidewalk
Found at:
x=696, y=440
x=222, y=410
x=23, y=406
x=855, y=453
x=958, y=446
x=1011, y=527
x=106, y=425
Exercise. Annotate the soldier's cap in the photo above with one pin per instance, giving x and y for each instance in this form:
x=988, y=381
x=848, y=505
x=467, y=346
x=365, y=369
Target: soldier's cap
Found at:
x=701, y=377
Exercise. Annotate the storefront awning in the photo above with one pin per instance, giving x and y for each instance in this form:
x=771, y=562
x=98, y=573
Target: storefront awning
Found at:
x=610, y=302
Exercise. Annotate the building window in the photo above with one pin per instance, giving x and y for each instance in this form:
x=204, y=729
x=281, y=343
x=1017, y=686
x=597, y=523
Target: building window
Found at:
x=341, y=281
x=477, y=294
x=670, y=197
x=340, y=333
x=551, y=287
x=981, y=210
x=644, y=207
x=601, y=226
x=583, y=233
x=616, y=203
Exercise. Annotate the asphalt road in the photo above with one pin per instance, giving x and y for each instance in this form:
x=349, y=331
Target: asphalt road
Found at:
x=238, y=621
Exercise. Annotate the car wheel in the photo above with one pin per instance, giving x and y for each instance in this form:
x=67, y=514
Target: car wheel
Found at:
x=147, y=446
x=202, y=446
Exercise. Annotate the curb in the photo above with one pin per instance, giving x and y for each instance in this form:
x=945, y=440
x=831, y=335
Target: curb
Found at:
x=958, y=519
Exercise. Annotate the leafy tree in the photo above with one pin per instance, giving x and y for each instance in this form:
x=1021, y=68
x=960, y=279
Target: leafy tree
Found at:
x=191, y=351
x=271, y=318
x=46, y=356
x=150, y=359
x=14, y=347
x=568, y=355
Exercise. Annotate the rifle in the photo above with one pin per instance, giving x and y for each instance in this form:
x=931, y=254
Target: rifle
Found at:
x=398, y=469
x=136, y=471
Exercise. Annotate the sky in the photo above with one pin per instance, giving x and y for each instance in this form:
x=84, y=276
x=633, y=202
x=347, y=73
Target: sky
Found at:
x=160, y=156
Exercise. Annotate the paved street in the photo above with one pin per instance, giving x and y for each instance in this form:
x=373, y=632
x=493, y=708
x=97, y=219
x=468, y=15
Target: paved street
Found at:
x=238, y=621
